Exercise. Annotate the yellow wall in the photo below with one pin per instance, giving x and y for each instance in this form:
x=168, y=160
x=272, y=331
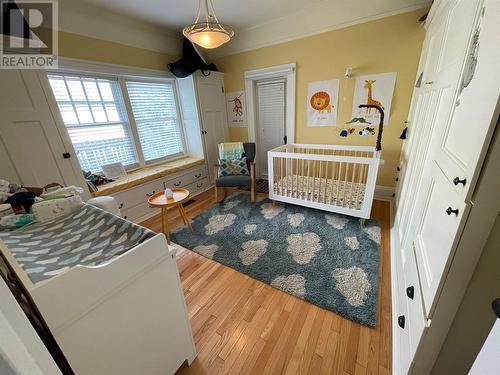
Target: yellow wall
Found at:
x=391, y=44
x=87, y=48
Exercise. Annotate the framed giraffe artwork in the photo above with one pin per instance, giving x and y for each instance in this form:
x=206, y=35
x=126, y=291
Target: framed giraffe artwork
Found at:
x=376, y=89
x=322, y=103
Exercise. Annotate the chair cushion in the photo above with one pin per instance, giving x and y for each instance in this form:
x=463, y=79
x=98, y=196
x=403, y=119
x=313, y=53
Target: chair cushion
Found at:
x=231, y=181
x=236, y=167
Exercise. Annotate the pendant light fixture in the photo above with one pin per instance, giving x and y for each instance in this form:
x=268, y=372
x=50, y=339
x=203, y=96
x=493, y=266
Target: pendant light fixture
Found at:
x=209, y=33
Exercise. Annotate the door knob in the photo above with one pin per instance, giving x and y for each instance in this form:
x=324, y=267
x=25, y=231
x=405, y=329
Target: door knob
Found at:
x=457, y=181
x=401, y=321
x=450, y=211
x=410, y=292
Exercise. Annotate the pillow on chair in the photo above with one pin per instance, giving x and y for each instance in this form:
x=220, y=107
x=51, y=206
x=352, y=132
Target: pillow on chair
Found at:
x=237, y=167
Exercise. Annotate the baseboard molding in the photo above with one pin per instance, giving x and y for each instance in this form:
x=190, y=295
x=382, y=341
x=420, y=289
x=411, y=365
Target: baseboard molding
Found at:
x=384, y=193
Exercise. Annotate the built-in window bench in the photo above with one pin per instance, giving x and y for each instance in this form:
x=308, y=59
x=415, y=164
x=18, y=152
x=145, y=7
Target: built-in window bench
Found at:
x=132, y=191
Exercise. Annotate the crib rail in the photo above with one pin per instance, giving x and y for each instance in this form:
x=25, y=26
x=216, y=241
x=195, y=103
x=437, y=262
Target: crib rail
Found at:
x=331, y=177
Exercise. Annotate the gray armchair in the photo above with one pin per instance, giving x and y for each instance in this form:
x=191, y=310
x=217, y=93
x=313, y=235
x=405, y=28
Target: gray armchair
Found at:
x=237, y=181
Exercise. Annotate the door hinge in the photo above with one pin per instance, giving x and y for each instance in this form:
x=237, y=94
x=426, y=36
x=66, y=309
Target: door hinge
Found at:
x=222, y=89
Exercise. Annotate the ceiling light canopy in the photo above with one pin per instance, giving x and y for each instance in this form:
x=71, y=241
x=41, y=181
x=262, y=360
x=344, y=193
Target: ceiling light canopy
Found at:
x=209, y=33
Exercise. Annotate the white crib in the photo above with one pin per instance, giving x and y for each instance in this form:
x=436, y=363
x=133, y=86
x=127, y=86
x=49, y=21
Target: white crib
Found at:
x=328, y=177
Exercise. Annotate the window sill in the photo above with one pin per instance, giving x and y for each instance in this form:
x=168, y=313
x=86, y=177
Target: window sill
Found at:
x=149, y=173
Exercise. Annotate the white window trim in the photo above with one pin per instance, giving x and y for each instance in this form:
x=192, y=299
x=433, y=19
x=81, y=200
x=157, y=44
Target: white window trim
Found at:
x=121, y=73
x=286, y=71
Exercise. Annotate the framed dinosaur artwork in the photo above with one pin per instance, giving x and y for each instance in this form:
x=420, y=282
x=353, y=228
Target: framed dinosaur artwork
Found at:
x=322, y=103
x=375, y=89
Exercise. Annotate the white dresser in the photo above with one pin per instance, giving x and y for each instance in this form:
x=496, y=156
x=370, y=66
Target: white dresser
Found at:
x=450, y=127
x=133, y=202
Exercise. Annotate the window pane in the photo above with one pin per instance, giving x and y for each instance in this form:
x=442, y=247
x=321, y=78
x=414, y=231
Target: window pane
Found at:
x=68, y=113
x=99, y=128
x=91, y=90
x=156, y=118
x=59, y=89
x=98, y=112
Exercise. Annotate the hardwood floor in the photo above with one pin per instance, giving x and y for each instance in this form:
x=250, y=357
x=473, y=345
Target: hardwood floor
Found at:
x=243, y=326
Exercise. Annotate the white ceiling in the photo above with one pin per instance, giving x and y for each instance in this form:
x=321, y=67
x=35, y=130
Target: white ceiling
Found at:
x=257, y=23
x=175, y=14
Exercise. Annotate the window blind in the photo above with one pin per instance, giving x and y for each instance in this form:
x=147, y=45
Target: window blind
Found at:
x=271, y=117
x=94, y=114
x=156, y=119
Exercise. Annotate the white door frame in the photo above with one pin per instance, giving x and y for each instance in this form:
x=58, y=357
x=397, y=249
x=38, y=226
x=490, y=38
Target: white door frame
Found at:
x=286, y=71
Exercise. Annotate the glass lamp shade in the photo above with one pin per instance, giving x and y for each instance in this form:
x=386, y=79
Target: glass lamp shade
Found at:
x=208, y=35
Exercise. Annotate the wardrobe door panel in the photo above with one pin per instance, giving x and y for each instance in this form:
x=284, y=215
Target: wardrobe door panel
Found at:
x=437, y=230
x=466, y=136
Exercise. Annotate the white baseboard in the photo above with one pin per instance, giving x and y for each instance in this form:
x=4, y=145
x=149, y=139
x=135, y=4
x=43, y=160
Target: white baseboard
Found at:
x=384, y=193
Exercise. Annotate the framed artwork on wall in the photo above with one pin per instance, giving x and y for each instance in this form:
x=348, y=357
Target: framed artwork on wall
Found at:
x=322, y=103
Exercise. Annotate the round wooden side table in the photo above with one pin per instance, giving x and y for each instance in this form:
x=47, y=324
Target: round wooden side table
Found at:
x=160, y=200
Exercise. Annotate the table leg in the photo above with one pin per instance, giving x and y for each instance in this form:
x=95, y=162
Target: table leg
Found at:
x=164, y=218
x=185, y=218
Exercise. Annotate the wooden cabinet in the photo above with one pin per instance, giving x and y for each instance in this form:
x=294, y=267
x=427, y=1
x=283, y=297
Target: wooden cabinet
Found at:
x=450, y=127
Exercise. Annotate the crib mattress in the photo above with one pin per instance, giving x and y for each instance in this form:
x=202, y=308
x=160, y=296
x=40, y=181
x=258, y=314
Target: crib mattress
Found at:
x=88, y=236
x=323, y=190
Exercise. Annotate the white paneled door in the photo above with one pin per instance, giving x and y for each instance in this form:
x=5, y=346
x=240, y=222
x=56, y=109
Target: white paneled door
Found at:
x=212, y=107
x=35, y=152
x=271, y=127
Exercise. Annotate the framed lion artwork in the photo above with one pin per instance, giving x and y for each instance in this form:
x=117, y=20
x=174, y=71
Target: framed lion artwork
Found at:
x=322, y=103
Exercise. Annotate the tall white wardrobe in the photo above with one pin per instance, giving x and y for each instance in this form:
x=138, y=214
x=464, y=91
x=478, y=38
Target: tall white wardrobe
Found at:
x=203, y=104
x=452, y=118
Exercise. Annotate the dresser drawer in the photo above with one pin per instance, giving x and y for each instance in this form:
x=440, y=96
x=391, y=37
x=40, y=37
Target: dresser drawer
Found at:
x=132, y=197
x=187, y=178
x=140, y=212
x=198, y=186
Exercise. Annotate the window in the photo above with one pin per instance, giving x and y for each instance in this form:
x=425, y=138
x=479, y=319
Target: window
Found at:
x=155, y=116
x=94, y=111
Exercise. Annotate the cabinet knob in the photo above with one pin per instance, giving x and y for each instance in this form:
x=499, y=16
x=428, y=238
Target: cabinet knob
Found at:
x=398, y=169
x=410, y=292
x=429, y=82
x=125, y=217
x=204, y=132
x=397, y=178
x=401, y=321
x=177, y=183
x=66, y=155
x=457, y=181
x=450, y=211
x=197, y=175
x=150, y=194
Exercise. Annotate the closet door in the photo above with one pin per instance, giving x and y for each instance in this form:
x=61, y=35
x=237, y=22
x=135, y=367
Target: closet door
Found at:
x=464, y=139
x=271, y=126
x=426, y=104
x=212, y=105
x=435, y=221
x=30, y=141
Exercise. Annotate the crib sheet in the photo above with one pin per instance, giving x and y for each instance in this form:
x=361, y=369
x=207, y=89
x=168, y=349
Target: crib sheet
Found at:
x=88, y=236
x=323, y=190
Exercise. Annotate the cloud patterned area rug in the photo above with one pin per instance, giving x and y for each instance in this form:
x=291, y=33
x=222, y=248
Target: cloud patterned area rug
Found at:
x=328, y=259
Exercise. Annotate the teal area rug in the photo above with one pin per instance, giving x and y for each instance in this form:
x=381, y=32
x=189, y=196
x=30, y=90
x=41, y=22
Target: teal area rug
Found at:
x=327, y=259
